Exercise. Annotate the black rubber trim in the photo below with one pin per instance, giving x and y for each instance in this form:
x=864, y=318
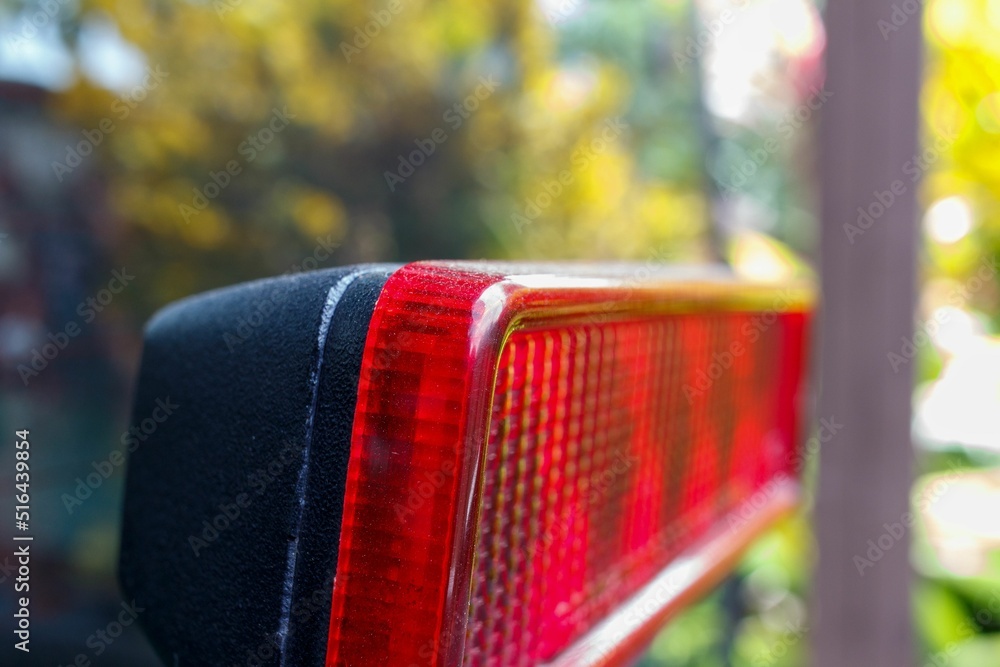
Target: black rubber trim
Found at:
x=240, y=443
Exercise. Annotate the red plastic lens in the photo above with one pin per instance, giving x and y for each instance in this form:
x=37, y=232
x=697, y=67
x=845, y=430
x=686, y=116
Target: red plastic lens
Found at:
x=533, y=451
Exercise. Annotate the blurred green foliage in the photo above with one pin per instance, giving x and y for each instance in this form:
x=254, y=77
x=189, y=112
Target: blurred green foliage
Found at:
x=528, y=170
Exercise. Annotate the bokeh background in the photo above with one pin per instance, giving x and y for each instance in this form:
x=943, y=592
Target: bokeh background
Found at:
x=191, y=144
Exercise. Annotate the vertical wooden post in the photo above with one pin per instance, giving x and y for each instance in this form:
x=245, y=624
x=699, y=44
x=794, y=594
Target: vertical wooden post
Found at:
x=868, y=134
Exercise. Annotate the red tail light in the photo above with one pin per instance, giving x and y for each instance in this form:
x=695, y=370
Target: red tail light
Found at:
x=544, y=466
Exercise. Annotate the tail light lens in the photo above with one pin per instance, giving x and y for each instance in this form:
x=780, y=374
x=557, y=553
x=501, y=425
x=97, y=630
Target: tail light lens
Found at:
x=548, y=461
x=457, y=465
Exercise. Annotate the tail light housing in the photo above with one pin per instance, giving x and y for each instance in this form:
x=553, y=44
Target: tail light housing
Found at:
x=544, y=462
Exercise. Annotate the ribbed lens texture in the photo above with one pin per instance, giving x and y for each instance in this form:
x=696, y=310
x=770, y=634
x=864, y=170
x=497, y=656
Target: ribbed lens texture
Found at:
x=399, y=513
x=613, y=446
x=625, y=423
